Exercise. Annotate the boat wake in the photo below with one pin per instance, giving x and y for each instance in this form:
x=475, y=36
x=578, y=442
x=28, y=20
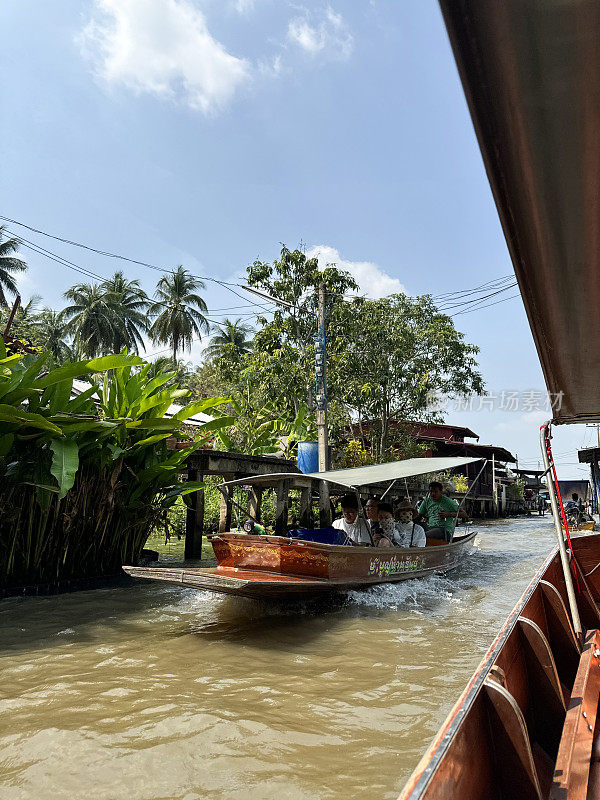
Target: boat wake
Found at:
x=414, y=594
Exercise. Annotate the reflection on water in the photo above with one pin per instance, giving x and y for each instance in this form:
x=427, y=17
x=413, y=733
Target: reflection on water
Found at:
x=146, y=692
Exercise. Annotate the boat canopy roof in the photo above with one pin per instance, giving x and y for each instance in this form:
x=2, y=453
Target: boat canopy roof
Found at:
x=362, y=476
x=531, y=75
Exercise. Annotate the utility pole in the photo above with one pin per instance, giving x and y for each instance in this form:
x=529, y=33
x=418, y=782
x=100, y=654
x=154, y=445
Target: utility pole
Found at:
x=494, y=487
x=321, y=380
x=321, y=391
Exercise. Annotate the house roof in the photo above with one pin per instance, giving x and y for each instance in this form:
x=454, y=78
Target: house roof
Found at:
x=455, y=428
x=469, y=449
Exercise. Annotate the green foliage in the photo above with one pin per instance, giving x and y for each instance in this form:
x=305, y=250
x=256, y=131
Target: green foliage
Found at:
x=9, y=264
x=515, y=491
x=393, y=352
x=281, y=367
x=384, y=357
x=260, y=429
x=461, y=484
x=230, y=341
x=180, y=312
x=355, y=455
x=84, y=482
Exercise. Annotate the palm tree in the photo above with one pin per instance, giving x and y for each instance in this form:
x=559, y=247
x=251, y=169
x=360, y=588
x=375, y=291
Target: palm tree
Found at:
x=8, y=264
x=52, y=330
x=129, y=304
x=28, y=313
x=180, y=312
x=230, y=337
x=90, y=318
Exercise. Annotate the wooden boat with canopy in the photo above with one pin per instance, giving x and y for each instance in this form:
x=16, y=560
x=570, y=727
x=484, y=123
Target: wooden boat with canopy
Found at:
x=527, y=725
x=304, y=561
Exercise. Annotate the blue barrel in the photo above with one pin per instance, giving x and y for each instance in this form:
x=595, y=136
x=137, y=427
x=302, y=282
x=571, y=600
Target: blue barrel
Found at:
x=308, y=456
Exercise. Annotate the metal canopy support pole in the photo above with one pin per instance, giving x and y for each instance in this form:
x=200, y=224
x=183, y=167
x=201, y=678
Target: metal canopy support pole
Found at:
x=564, y=558
x=194, y=520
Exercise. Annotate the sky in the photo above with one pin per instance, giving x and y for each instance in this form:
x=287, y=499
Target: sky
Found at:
x=208, y=132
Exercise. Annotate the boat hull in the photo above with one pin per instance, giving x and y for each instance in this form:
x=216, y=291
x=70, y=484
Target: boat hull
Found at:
x=277, y=567
x=512, y=721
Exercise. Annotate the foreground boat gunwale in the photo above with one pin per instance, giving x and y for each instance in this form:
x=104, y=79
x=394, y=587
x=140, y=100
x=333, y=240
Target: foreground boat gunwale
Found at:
x=434, y=755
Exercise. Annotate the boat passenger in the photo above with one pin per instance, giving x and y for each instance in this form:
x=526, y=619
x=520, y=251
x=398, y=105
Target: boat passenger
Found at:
x=440, y=512
x=355, y=527
x=407, y=532
x=384, y=535
x=372, y=511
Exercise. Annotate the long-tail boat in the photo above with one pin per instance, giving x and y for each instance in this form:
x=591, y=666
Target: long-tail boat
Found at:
x=312, y=562
x=526, y=726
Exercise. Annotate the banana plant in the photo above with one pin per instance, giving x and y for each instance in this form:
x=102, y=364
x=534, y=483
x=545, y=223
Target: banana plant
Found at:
x=85, y=477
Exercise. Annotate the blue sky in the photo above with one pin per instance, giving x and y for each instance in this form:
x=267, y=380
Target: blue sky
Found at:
x=206, y=132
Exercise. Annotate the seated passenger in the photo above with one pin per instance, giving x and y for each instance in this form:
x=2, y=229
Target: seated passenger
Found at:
x=384, y=536
x=408, y=533
x=372, y=511
x=355, y=527
x=440, y=512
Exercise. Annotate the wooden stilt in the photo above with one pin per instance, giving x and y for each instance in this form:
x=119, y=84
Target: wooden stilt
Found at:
x=306, y=508
x=255, y=503
x=281, y=511
x=324, y=505
x=194, y=521
x=226, y=506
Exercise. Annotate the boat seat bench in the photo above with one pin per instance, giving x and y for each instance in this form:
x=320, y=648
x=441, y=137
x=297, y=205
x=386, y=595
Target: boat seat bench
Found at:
x=572, y=778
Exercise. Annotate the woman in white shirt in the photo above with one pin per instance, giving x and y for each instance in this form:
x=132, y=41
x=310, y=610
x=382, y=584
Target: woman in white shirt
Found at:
x=356, y=528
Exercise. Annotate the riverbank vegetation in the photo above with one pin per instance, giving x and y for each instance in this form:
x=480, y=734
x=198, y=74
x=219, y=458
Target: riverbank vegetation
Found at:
x=85, y=478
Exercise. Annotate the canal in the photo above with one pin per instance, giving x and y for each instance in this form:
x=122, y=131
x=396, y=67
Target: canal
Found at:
x=160, y=693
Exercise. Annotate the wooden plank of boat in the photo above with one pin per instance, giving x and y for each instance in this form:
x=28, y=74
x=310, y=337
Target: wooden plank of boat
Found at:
x=274, y=566
x=226, y=580
x=542, y=670
x=571, y=774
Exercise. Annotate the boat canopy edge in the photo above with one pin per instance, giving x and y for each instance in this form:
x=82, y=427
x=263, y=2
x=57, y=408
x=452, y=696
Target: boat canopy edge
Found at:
x=362, y=476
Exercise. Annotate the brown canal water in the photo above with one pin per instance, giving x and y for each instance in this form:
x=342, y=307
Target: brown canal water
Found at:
x=160, y=693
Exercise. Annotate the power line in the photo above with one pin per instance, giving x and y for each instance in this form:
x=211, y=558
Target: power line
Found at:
x=488, y=305
x=225, y=284
x=106, y=253
x=264, y=307
x=496, y=285
x=476, y=300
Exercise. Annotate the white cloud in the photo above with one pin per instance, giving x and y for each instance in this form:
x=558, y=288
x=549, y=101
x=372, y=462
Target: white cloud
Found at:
x=372, y=280
x=328, y=36
x=243, y=6
x=162, y=47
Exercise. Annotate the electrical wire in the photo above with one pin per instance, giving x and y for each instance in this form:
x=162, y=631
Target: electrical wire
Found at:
x=476, y=300
x=449, y=300
x=106, y=253
x=488, y=305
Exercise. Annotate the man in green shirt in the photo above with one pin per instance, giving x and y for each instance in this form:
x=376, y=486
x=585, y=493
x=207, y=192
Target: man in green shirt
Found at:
x=440, y=512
